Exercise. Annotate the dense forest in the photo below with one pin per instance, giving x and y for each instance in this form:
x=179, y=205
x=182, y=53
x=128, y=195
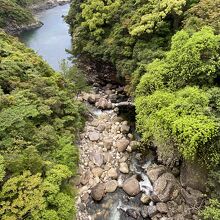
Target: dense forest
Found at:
x=39, y=121
x=168, y=52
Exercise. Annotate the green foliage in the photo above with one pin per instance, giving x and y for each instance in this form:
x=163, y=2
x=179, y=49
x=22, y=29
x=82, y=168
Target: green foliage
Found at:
x=169, y=111
x=2, y=168
x=151, y=15
x=12, y=14
x=182, y=117
x=206, y=12
x=212, y=211
x=76, y=76
x=39, y=119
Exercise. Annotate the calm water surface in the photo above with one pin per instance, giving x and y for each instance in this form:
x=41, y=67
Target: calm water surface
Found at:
x=51, y=40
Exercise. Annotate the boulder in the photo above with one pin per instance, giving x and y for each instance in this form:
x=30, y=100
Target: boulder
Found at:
x=193, y=198
x=97, y=171
x=101, y=127
x=166, y=188
x=124, y=168
x=91, y=98
x=131, y=186
x=112, y=173
x=162, y=207
x=94, y=136
x=145, y=198
x=98, y=192
x=111, y=186
x=97, y=158
x=85, y=177
x=103, y=104
x=108, y=143
x=134, y=213
x=155, y=171
x=125, y=128
x=122, y=144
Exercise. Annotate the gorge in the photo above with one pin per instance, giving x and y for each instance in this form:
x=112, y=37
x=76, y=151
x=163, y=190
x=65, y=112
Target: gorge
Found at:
x=155, y=166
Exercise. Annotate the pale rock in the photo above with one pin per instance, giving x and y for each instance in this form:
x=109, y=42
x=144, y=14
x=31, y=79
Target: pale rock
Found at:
x=131, y=186
x=155, y=171
x=107, y=157
x=125, y=128
x=122, y=144
x=97, y=158
x=145, y=199
x=91, y=98
x=124, y=168
x=94, y=136
x=111, y=186
x=107, y=142
x=162, y=207
x=152, y=210
x=112, y=173
x=97, y=171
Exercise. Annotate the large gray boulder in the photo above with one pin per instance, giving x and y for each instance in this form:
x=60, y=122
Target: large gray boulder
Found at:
x=166, y=188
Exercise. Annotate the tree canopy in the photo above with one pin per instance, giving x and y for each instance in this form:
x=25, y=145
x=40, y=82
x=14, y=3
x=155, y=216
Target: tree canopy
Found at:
x=39, y=120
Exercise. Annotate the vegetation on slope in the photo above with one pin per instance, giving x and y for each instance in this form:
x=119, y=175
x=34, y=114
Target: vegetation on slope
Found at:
x=14, y=14
x=171, y=60
x=39, y=119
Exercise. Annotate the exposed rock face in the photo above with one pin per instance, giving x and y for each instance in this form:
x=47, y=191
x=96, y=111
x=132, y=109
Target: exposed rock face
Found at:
x=47, y=4
x=193, y=175
x=98, y=192
x=131, y=186
x=15, y=29
x=192, y=197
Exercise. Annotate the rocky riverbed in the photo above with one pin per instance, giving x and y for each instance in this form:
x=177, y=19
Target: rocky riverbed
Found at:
x=116, y=181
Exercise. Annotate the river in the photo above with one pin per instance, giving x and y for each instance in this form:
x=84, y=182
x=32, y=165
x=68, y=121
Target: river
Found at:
x=50, y=40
